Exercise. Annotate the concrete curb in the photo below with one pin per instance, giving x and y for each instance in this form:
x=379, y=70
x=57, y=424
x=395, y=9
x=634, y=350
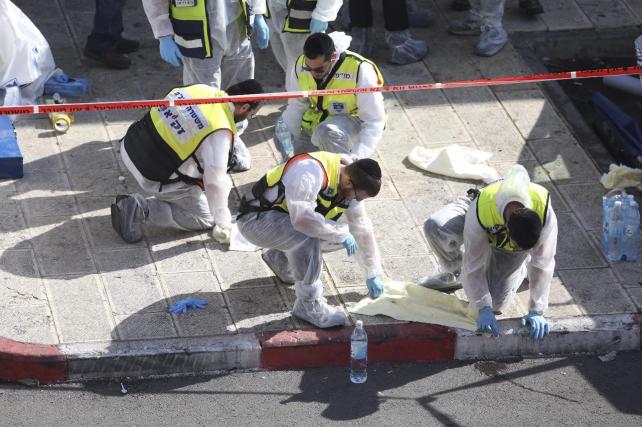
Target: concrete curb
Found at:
x=295, y=349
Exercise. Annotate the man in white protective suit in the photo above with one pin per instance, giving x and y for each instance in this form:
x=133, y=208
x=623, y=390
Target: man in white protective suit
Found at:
x=211, y=40
x=294, y=213
x=180, y=155
x=344, y=123
x=509, y=231
x=292, y=21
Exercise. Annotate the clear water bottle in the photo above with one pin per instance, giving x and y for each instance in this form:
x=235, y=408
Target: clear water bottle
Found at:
x=283, y=139
x=615, y=232
x=631, y=229
x=359, y=354
x=620, y=226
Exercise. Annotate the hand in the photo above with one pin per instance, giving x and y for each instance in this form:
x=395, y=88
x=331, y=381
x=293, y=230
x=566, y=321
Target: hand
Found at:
x=221, y=235
x=375, y=286
x=351, y=245
x=261, y=31
x=487, y=321
x=170, y=52
x=189, y=302
x=317, y=26
x=538, y=324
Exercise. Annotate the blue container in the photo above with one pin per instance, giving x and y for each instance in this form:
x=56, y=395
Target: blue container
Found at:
x=620, y=226
x=66, y=86
x=10, y=155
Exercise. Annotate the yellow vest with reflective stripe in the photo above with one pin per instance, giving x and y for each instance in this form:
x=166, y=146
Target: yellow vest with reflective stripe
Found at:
x=183, y=128
x=345, y=77
x=326, y=203
x=299, y=16
x=492, y=220
x=191, y=26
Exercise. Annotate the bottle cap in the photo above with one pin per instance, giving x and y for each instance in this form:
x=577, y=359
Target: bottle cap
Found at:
x=359, y=323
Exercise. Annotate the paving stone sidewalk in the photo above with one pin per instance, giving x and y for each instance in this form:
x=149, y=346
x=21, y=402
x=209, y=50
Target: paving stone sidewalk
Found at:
x=66, y=277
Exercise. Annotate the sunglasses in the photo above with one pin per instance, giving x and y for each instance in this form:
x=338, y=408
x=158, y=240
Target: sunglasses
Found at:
x=317, y=70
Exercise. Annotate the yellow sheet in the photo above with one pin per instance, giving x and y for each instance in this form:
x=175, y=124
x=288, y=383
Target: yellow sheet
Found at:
x=411, y=302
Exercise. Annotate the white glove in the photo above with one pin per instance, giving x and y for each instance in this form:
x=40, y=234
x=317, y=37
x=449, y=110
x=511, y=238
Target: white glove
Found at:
x=222, y=235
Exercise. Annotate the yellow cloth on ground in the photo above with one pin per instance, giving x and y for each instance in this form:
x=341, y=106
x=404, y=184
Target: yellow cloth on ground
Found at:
x=411, y=302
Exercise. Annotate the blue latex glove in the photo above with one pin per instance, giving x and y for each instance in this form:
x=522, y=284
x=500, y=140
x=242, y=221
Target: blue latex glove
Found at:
x=317, y=26
x=539, y=325
x=170, y=52
x=261, y=31
x=375, y=286
x=189, y=302
x=350, y=244
x=487, y=321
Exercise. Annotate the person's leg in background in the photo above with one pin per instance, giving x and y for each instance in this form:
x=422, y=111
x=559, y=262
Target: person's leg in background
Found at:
x=493, y=36
x=403, y=48
x=361, y=29
x=484, y=19
x=105, y=43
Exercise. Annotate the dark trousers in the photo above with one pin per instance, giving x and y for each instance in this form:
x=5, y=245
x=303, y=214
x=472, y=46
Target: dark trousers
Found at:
x=108, y=25
x=395, y=14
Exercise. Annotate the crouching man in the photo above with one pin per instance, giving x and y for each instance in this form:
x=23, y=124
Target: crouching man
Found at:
x=180, y=155
x=508, y=231
x=294, y=213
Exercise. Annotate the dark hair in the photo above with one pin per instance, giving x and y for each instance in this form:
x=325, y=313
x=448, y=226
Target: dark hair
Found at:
x=319, y=44
x=246, y=87
x=524, y=227
x=365, y=175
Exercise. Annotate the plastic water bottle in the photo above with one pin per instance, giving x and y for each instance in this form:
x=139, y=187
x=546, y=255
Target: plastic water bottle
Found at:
x=620, y=226
x=283, y=139
x=359, y=354
x=631, y=229
x=615, y=232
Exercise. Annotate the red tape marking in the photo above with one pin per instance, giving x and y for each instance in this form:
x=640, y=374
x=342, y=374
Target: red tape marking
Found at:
x=496, y=81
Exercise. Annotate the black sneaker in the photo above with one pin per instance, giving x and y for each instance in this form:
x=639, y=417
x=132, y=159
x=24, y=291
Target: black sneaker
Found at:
x=127, y=46
x=110, y=58
x=531, y=7
x=460, y=5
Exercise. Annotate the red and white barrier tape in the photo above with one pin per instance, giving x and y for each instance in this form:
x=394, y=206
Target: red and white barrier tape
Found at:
x=496, y=81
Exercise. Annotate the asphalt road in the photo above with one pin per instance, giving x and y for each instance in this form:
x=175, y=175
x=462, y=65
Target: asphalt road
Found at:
x=540, y=392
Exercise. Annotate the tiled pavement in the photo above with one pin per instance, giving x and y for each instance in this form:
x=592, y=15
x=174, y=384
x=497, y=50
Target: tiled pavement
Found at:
x=65, y=277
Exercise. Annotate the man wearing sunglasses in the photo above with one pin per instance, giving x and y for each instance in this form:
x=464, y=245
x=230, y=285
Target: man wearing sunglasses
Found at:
x=509, y=231
x=294, y=213
x=352, y=123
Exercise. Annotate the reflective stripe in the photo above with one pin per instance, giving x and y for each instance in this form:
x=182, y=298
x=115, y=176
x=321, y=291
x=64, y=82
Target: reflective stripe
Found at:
x=300, y=14
x=188, y=44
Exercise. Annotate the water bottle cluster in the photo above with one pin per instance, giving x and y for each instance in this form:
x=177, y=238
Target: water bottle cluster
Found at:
x=620, y=226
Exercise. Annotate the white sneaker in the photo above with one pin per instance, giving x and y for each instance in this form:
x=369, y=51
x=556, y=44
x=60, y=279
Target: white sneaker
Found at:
x=441, y=281
x=319, y=313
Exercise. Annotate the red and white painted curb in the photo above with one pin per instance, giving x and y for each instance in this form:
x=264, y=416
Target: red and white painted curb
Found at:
x=296, y=349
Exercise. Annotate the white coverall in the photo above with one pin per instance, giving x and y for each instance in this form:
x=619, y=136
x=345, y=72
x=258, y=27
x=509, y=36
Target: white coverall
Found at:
x=301, y=233
x=185, y=206
x=231, y=49
x=340, y=133
x=288, y=46
x=490, y=276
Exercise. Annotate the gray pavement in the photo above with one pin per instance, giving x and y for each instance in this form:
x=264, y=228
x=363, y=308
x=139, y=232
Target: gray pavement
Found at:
x=66, y=277
x=568, y=391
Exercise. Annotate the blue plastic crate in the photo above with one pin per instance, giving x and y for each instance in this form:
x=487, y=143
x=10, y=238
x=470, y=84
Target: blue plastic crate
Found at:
x=10, y=155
